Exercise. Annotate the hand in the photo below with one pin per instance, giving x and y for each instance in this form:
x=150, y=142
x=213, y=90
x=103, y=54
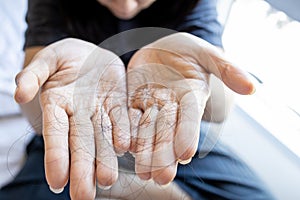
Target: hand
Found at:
x=84, y=103
x=168, y=89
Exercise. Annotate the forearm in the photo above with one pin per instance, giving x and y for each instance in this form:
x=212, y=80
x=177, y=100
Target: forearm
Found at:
x=32, y=109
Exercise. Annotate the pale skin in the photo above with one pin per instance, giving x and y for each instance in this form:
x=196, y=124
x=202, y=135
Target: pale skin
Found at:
x=126, y=9
x=87, y=121
x=167, y=94
x=83, y=126
x=93, y=151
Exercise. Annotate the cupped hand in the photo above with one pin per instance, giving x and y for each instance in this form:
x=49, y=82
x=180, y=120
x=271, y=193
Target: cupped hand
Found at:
x=168, y=90
x=85, y=122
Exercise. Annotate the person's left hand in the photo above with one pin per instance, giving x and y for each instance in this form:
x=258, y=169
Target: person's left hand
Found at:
x=167, y=93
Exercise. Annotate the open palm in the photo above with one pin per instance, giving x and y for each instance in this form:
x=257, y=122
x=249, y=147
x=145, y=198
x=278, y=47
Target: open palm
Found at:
x=167, y=93
x=84, y=102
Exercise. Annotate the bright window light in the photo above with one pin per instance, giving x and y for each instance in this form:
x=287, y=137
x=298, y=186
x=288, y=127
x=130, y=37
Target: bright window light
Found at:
x=266, y=43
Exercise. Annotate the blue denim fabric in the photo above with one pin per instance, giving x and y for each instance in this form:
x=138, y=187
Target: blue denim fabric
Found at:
x=30, y=183
x=218, y=175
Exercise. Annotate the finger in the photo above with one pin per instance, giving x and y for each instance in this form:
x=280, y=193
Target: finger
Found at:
x=134, y=117
x=106, y=159
x=163, y=159
x=235, y=78
x=82, y=147
x=113, y=81
x=146, y=132
x=46, y=62
x=191, y=108
x=211, y=58
x=120, y=128
x=35, y=74
x=185, y=162
x=55, y=134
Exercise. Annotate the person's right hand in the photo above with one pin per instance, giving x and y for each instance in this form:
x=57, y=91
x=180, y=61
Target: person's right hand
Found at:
x=85, y=122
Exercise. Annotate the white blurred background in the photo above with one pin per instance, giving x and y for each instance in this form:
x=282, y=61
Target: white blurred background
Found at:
x=264, y=128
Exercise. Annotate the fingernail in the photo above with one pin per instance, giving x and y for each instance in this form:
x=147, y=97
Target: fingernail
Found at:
x=147, y=181
x=164, y=185
x=56, y=191
x=253, y=90
x=120, y=154
x=104, y=187
x=132, y=153
x=184, y=162
x=15, y=97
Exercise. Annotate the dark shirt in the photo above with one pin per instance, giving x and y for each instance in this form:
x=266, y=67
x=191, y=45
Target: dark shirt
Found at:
x=52, y=20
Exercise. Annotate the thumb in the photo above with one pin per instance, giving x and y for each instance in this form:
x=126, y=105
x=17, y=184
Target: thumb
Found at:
x=213, y=61
x=236, y=79
x=30, y=79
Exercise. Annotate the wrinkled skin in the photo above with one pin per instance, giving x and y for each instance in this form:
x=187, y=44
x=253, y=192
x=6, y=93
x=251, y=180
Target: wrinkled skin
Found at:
x=85, y=119
x=84, y=104
x=168, y=90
